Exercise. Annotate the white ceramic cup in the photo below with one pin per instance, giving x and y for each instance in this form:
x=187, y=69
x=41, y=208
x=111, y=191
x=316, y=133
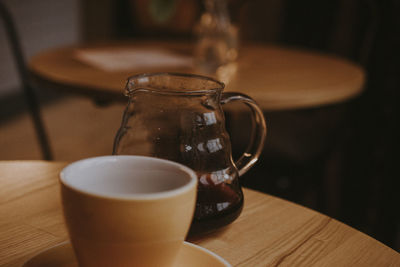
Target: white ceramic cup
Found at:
x=127, y=210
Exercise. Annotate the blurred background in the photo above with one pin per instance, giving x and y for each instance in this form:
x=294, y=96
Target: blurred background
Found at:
x=339, y=159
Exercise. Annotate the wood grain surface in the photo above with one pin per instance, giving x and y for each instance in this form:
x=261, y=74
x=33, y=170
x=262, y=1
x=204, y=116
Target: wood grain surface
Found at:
x=278, y=78
x=269, y=232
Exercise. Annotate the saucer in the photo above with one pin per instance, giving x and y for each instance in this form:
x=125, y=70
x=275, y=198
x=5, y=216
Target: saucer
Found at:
x=62, y=255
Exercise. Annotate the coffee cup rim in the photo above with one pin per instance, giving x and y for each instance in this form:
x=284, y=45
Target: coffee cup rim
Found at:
x=131, y=196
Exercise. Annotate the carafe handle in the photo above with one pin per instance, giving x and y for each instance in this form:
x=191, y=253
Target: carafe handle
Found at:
x=256, y=145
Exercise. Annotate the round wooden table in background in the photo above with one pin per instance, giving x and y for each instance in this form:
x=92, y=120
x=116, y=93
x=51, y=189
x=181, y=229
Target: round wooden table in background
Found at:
x=277, y=78
x=269, y=232
x=282, y=80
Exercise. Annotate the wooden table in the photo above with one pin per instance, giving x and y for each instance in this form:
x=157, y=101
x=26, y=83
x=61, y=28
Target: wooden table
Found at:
x=277, y=78
x=269, y=232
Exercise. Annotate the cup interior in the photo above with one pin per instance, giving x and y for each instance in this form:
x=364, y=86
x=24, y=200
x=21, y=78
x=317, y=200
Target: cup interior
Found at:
x=128, y=177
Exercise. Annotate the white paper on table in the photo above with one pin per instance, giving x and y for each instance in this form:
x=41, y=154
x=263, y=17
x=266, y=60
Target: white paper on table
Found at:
x=131, y=58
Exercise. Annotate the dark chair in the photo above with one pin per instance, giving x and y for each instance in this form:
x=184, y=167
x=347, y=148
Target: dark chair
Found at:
x=28, y=91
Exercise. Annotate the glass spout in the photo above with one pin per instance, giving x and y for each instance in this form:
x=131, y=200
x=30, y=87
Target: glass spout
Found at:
x=135, y=83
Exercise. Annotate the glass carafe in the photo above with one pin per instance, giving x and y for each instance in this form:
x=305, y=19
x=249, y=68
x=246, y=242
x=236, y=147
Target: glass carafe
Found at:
x=179, y=117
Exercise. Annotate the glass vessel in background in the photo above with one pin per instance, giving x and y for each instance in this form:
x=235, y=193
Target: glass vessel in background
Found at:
x=179, y=117
x=216, y=49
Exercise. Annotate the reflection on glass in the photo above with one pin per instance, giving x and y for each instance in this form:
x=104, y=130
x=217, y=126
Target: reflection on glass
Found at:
x=214, y=145
x=209, y=118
